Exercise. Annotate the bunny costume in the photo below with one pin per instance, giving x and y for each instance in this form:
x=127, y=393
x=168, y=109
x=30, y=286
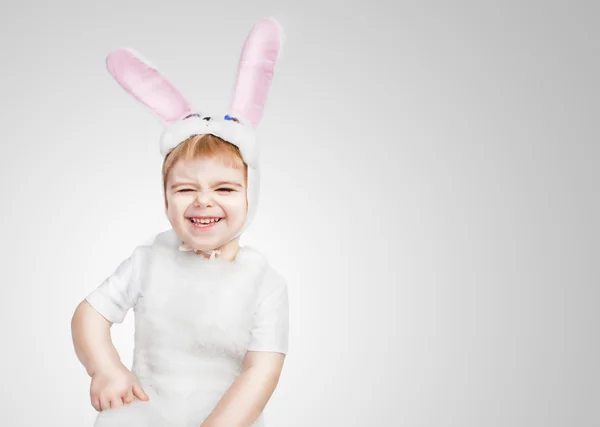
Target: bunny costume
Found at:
x=196, y=317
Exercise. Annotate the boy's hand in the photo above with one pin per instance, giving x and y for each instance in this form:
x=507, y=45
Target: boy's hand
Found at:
x=112, y=388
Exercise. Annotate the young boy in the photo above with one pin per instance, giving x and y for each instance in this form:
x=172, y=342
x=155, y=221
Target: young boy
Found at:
x=211, y=316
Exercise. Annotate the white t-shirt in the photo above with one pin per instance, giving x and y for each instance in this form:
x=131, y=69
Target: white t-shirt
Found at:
x=118, y=293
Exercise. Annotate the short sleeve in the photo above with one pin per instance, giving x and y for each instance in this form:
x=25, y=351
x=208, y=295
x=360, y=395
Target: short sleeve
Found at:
x=118, y=292
x=270, y=329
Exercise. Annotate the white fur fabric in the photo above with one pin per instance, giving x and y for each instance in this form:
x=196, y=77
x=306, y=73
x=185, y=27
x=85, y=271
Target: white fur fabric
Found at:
x=192, y=327
x=239, y=134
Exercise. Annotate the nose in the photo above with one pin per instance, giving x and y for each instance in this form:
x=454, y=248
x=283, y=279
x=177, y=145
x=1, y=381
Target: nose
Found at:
x=202, y=199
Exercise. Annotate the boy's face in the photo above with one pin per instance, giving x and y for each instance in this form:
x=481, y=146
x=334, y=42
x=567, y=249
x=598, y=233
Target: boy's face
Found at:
x=206, y=188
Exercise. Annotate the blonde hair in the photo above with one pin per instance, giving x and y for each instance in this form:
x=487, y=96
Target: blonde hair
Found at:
x=199, y=146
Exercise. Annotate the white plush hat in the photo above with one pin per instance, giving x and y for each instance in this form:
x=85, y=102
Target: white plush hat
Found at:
x=256, y=67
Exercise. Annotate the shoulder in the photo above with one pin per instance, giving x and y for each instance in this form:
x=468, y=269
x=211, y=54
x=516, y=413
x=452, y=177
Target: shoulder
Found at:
x=142, y=251
x=272, y=284
x=141, y=255
x=119, y=291
x=162, y=239
x=273, y=288
x=273, y=279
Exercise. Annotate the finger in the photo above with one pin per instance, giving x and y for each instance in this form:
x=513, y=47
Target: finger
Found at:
x=139, y=392
x=128, y=398
x=116, y=402
x=104, y=403
x=96, y=403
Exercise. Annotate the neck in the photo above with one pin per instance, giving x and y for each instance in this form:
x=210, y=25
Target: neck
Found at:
x=228, y=251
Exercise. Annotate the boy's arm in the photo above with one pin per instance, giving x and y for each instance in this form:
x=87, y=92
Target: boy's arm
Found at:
x=247, y=397
x=92, y=341
x=249, y=394
x=104, y=306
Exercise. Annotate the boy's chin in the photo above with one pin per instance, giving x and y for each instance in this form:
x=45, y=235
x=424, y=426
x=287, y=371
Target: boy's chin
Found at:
x=205, y=242
x=213, y=237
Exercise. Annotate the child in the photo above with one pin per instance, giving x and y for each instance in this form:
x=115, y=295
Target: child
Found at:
x=211, y=317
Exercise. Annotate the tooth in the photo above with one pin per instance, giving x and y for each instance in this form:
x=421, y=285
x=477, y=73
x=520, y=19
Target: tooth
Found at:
x=205, y=220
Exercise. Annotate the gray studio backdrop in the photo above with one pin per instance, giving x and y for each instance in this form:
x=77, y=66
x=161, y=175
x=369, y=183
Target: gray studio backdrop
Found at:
x=430, y=192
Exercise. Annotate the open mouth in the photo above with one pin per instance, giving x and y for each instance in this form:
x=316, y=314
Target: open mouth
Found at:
x=204, y=222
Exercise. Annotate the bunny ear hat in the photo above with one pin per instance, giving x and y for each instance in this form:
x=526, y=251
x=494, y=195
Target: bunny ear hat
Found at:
x=180, y=120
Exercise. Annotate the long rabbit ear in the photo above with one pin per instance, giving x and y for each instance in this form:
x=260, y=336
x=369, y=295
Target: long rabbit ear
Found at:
x=255, y=72
x=146, y=84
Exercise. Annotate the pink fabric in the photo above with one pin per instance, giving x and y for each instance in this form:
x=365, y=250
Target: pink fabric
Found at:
x=147, y=85
x=255, y=72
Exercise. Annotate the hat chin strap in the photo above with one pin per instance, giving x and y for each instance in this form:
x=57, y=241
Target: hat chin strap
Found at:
x=213, y=253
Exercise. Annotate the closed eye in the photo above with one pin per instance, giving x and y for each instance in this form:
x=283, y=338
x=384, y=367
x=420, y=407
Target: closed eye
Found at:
x=220, y=189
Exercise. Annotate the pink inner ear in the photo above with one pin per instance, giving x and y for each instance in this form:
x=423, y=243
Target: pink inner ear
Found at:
x=147, y=85
x=256, y=69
